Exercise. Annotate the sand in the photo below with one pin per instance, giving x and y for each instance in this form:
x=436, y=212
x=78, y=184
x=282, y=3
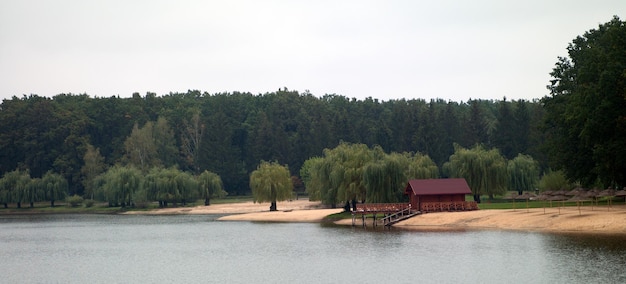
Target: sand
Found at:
x=288, y=211
x=566, y=219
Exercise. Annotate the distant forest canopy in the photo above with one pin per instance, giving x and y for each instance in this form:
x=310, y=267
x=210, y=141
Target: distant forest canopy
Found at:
x=230, y=133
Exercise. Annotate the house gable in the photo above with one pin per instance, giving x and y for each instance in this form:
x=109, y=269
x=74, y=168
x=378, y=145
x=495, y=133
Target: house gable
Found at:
x=450, y=186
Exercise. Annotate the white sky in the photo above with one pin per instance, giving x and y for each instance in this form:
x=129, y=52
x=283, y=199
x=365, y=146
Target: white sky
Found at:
x=449, y=49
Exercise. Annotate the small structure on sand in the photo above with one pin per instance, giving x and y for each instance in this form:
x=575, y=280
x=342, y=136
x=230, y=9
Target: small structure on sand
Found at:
x=435, y=195
x=425, y=195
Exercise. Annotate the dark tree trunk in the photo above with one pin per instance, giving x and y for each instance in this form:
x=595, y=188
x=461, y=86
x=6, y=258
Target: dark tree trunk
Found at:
x=32, y=204
x=19, y=205
x=477, y=198
x=164, y=203
x=160, y=203
x=346, y=208
x=52, y=203
x=207, y=201
x=353, y=204
x=273, y=206
x=6, y=205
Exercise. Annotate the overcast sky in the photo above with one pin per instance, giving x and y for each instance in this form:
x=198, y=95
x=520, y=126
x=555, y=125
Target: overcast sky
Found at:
x=450, y=49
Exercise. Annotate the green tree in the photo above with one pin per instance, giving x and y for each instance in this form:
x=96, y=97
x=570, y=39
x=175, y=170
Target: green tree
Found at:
x=186, y=187
x=165, y=143
x=554, y=180
x=310, y=176
x=16, y=183
x=421, y=167
x=93, y=165
x=271, y=182
x=385, y=178
x=484, y=170
x=210, y=186
x=141, y=151
x=55, y=187
x=34, y=191
x=191, y=138
x=584, y=114
x=523, y=173
x=118, y=185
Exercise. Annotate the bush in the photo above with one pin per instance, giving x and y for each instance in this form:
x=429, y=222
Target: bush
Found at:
x=553, y=180
x=74, y=200
x=89, y=203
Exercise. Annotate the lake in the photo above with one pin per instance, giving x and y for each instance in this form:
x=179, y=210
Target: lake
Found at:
x=68, y=248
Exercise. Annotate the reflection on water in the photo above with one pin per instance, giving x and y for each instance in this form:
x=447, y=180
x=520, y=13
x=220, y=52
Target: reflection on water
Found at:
x=188, y=248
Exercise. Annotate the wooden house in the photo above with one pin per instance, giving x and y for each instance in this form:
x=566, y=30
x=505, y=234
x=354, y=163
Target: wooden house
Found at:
x=430, y=195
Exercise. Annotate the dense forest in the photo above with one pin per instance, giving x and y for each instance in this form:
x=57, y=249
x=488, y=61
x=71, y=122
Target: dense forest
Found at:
x=89, y=146
x=230, y=133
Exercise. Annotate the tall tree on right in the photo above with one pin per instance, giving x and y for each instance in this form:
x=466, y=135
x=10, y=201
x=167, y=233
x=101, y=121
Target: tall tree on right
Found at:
x=585, y=115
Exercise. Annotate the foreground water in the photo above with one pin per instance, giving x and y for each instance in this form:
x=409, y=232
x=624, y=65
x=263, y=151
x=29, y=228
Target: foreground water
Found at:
x=193, y=249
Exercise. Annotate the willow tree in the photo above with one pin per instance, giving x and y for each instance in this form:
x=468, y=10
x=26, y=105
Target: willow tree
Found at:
x=118, y=185
x=312, y=182
x=186, y=186
x=210, y=186
x=34, y=191
x=170, y=185
x=271, y=182
x=484, y=170
x=347, y=175
x=54, y=186
x=385, y=178
x=16, y=183
x=338, y=175
x=422, y=167
x=523, y=173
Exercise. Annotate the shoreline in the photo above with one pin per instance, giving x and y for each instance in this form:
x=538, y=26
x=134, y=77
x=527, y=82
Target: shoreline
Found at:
x=586, y=219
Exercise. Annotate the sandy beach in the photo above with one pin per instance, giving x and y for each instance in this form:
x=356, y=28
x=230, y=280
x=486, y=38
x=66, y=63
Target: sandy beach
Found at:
x=288, y=211
x=566, y=219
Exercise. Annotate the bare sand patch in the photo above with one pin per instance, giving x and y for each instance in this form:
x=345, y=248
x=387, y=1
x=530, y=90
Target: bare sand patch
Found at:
x=235, y=208
x=307, y=215
x=565, y=219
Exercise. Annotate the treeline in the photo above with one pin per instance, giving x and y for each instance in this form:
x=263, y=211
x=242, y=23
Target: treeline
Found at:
x=354, y=173
x=230, y=133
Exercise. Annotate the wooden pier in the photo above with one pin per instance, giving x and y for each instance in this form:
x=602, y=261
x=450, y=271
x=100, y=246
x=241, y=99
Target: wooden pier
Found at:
x=392, y=212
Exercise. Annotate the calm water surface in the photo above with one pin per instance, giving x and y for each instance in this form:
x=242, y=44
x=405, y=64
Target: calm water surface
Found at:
x=193, y=249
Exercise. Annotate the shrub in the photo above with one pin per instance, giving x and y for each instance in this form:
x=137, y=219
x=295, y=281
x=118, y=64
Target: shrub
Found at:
x=89, y=203
x=553, y=180
x=74, y=200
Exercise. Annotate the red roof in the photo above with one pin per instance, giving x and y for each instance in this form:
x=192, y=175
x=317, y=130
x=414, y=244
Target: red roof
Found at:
x=437, y=186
